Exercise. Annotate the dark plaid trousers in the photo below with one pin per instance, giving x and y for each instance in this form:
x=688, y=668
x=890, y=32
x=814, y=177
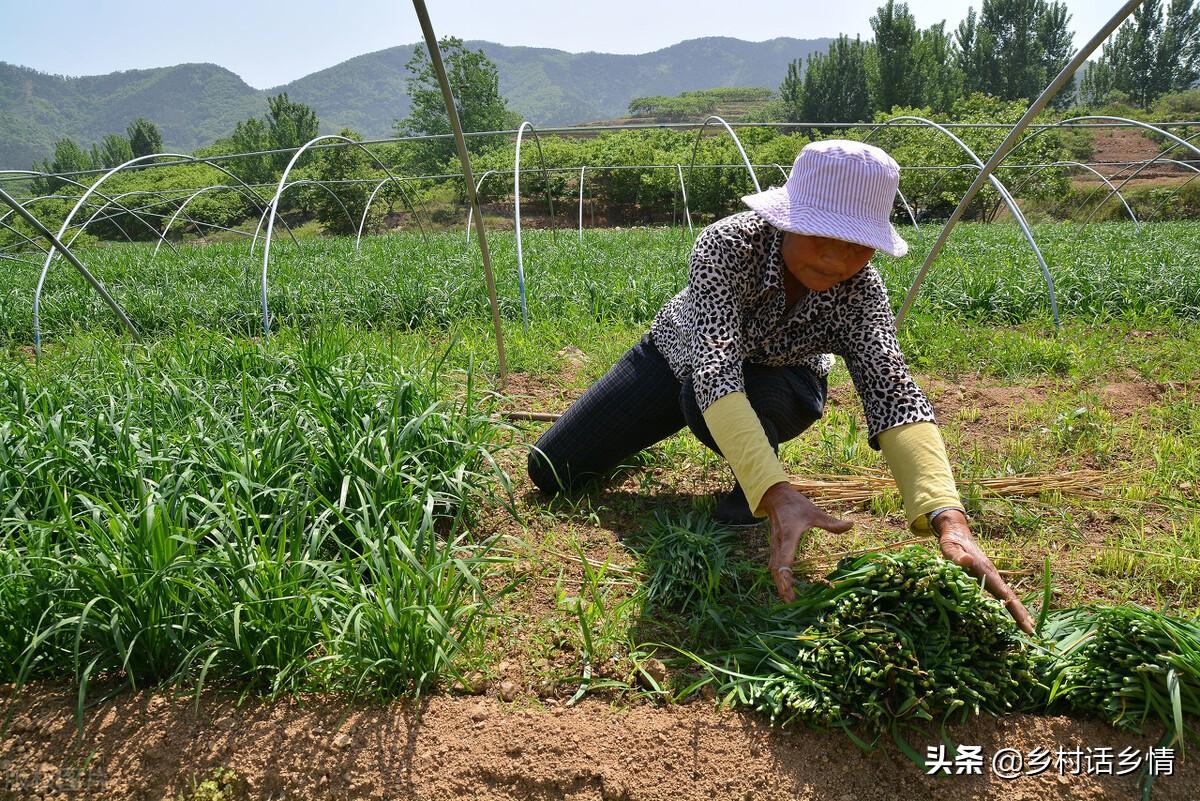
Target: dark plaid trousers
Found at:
x=639, y=402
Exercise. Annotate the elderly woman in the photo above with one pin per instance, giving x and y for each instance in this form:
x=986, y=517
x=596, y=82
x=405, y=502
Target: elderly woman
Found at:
x=741, y=357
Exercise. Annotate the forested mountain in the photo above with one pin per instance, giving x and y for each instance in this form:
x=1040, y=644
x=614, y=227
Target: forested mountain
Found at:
x=194, y=104
x=553, y=87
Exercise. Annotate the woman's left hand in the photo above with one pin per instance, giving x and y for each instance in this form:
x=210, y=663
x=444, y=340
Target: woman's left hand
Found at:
x=957, y=544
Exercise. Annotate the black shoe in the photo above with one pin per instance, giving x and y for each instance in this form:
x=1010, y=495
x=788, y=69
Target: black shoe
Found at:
x=733, y=510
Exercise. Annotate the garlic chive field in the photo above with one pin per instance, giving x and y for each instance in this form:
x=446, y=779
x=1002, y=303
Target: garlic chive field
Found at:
x=409, y=281
x=277, y=517
x=338, y=507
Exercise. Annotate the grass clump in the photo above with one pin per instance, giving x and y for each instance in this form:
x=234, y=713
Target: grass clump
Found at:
x=690, y=564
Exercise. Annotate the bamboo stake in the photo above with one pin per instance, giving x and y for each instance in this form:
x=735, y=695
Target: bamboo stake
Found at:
x=435, y=58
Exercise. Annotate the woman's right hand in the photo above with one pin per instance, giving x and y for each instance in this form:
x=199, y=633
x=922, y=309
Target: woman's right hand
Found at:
x=792, y=514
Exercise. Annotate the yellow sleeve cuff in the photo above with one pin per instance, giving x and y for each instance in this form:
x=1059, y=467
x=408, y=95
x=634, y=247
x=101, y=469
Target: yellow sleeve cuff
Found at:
x=738, y=433
x=916, y=454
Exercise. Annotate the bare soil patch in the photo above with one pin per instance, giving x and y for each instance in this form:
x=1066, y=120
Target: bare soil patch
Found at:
x=1130, y=145
x=1127, y=397
x=147, y=746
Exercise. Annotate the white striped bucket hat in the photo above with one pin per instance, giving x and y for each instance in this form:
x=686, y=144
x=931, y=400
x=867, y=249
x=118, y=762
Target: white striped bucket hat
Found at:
x=840, y=189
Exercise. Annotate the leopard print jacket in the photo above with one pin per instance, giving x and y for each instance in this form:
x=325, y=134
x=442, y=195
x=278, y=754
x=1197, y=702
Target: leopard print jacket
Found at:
x=734, y=309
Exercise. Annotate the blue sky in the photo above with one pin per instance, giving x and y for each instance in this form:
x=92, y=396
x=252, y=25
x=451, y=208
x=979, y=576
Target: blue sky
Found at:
x=269, y=43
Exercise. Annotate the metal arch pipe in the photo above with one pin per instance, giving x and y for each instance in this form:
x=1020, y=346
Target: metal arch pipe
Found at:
x=926, y=123
x=916, y=123
x=27, y=202
x=363, y=223
x=1038, y=131
x=399, y=181
x=1178, y=142
x=267, y=239
x=190, y=198
x=142, y=211
x=325, y=185
x=1072, y=122
x=306, y=182
x=1010, y=140
x=25, y=237
x=28, y=216
x=246, y=193
x=736, y=141
x=537, y=141
x=517, y=211
x=104, y=206
x=37, y=293
x=1138, y=167
x=84, y=187
x=581, y=171
x=1008, y=200
x=110, y=216
x=346, y=141
x=1117, y=192
x=991, y=215
x=93, y=189
x=273, y=207
x=1124, y=121
x=262, y=218
x=1069, y=163
x=1195, y=174
x=1184, y=164
x=332, y=194
x=911, y=216
x=105, y=214
x=687, y=212
x=950, y=171
x=471, y=209
x=367, y=208
x=258, y=200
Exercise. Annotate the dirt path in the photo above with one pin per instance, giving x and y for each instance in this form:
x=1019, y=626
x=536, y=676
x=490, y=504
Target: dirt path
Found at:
x=146, y=746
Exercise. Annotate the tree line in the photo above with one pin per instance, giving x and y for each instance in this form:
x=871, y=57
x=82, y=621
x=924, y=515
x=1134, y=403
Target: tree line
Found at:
x=1009, y=49
x=1151, y=55
x=286, y=124
x=142, y=138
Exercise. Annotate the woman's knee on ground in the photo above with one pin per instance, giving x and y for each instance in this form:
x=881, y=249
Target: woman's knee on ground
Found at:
x=546, y=472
